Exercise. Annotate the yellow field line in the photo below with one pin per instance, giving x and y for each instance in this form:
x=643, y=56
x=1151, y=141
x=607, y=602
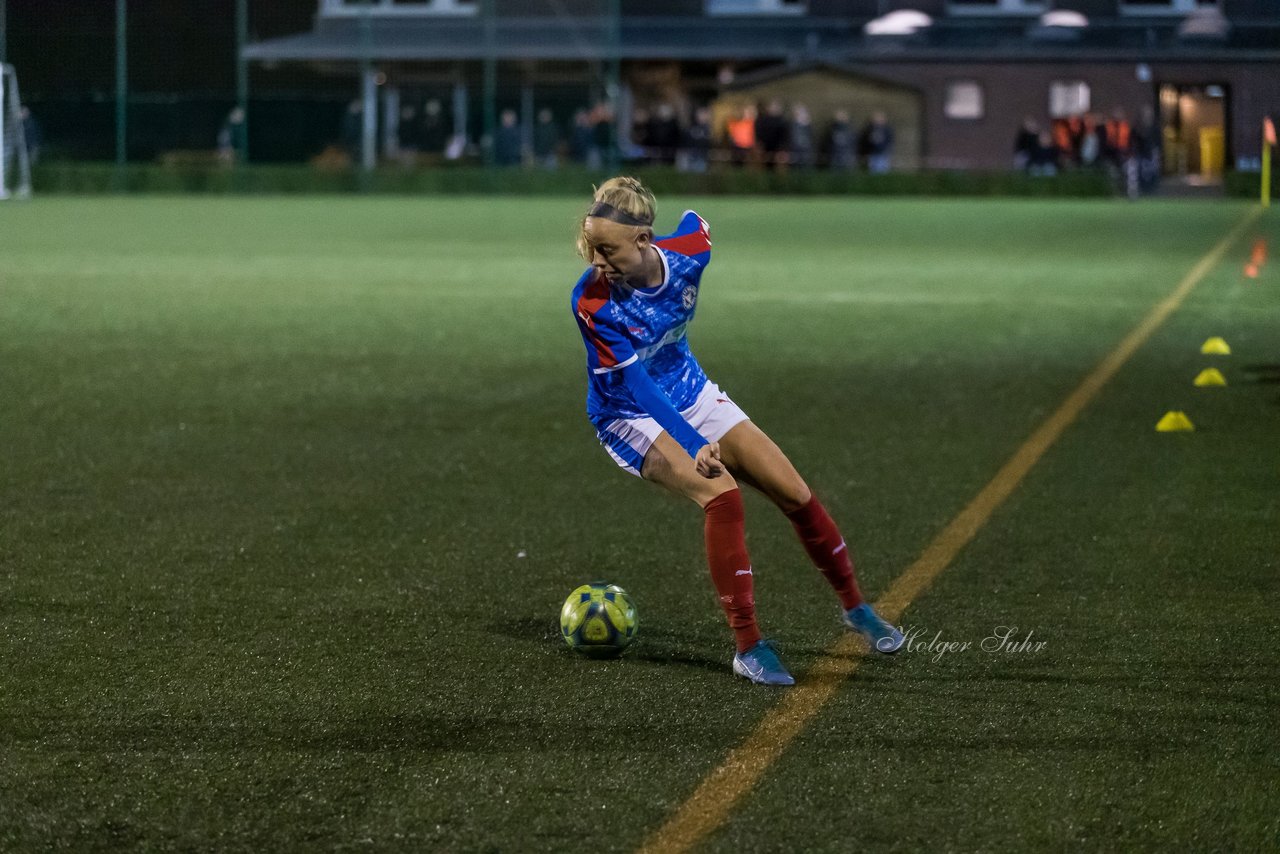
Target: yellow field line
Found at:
x=713, y=800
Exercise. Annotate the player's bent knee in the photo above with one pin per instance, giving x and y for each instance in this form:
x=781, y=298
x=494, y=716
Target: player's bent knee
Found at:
x=718, y=486
x=708, y=489
x=794, y=497
x=682, y=478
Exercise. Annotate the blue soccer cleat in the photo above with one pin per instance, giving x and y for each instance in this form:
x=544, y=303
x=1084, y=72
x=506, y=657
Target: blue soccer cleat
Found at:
x=882, y=636
x=760, y=664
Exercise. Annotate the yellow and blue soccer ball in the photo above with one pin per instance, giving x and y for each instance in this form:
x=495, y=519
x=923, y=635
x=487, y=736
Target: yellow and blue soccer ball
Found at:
x=599, y=620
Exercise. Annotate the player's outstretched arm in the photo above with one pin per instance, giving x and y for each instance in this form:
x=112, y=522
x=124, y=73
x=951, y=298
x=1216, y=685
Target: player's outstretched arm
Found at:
x=652, y=399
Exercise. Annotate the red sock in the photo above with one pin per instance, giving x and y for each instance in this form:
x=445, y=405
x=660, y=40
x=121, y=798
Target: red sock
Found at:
x=827, y=550
x=731, y=566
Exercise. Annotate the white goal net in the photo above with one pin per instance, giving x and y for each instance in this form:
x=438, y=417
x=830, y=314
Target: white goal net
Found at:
x=15, y=160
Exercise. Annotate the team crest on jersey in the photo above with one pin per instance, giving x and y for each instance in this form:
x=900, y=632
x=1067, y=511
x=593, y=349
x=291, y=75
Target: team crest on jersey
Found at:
x=690, y=296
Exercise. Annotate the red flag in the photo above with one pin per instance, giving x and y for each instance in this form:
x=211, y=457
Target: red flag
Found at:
x=1268, y=131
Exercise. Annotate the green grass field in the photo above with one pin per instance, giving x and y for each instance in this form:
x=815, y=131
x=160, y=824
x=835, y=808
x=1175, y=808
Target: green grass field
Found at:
x=270, y=468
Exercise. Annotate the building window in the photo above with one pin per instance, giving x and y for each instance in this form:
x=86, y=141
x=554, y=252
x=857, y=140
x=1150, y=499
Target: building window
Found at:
x=996, y=7
x=756, y=7
x=1068, y=98
x=963, y=100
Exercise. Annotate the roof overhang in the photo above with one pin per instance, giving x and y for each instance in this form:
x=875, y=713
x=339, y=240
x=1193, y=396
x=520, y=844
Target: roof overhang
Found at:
x=793, y=40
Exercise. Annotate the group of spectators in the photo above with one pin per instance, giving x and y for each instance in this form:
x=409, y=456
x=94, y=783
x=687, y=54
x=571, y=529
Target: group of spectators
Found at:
x=780, y=138
x=428, y=131
x=769, y=136
x=587, y=140
x=1093, y=141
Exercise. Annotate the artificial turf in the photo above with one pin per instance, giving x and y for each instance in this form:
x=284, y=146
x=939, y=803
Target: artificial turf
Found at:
x=293, y=489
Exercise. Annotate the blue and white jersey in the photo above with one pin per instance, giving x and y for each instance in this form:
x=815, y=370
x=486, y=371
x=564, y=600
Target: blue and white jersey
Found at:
x=620, y=325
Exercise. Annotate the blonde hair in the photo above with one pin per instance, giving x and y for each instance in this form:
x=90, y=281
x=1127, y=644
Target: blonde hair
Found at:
x=627, y=195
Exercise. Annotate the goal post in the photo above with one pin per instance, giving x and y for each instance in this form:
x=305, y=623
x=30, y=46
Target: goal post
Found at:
x=15, y=159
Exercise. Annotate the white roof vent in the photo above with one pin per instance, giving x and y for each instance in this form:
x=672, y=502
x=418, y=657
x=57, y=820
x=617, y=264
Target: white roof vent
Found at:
x=902, y=22
x=1063, y=18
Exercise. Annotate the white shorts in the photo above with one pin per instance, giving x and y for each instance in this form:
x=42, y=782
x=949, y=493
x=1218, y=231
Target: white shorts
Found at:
x=628, y=439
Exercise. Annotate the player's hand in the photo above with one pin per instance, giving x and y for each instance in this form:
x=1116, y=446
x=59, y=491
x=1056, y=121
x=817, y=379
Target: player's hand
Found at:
x=708, y=462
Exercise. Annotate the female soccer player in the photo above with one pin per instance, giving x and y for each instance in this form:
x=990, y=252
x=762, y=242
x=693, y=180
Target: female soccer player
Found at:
x=659, y=417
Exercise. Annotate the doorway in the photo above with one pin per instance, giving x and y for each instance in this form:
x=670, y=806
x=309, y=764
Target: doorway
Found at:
x=1193, y=121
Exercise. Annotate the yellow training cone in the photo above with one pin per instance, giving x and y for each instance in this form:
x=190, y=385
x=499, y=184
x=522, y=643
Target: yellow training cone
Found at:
x=1215, y=347
x=1174, y=422
x=1210, y=377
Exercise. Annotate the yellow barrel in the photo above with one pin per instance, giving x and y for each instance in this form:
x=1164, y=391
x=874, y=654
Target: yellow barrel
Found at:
x=1212, y=152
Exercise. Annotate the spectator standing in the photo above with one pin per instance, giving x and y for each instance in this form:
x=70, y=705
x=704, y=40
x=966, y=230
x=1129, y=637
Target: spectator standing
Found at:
x=696, y=147
x=408, y=136
x=772, y=135
x=876, y=143
x=1063, y=140
x=1148, y=142
x=1025, y=143
x=507, y=144
x=1117, y=135
x=742, y=135
x=664, y=134
x=1088, y=145
x=800, y=137
x=841, y=143
x=433, y=132
x=639, y=141
x=230, y=136
x=1045, y=156
x=353, y=129
x=582, y=140
x=546, y=140
x=1118, y=150
x=32, y=134
x=602, y=121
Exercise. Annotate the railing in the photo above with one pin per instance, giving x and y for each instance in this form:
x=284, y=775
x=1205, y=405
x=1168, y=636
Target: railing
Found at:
x=1173, y=8
x=397, y=8
x=756, y=7
x=978, y=8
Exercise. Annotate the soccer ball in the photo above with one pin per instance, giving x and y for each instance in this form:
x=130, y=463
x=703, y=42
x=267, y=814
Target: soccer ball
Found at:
x=599, y=620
